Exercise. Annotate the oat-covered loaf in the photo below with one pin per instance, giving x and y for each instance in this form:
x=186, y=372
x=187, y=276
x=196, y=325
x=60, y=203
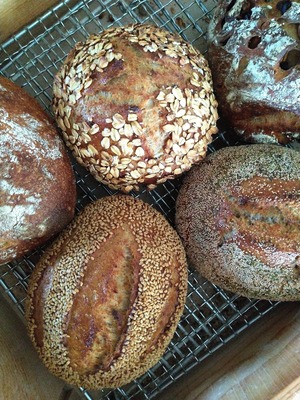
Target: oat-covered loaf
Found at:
x=254, y=55
x=37, y=185
x=104, y=301
x=135, y=105
x=238, y=214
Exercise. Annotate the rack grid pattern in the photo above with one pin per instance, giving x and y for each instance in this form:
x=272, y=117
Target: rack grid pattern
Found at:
x=212, y=317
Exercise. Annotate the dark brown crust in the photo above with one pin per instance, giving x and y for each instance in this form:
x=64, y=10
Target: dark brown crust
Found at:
x=122, y=98
x=238, y=214
x=253, y=50
x=37, y=184
x=117, y=290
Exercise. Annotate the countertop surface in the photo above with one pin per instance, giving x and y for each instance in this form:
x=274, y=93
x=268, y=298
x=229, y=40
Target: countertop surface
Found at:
x=262, y=363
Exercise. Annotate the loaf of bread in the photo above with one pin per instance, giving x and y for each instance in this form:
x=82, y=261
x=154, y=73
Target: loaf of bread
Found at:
x=106, y=297
x=238, y=214
x=135, y=105
x=37, y=185
x=254, y=55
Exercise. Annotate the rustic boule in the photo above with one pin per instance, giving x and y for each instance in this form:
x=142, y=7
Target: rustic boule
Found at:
x=238, y=214
x=135, y=105
x=106, y=297
x=37, y=184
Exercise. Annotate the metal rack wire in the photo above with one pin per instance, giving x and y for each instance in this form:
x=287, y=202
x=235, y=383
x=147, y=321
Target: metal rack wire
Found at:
x=212, y=317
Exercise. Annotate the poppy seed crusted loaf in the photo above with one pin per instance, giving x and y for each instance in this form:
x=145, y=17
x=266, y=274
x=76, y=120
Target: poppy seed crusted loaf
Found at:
x=254, y=55
x=37, y=184
x=105, y=300
x=238, y=214
x=135, y=105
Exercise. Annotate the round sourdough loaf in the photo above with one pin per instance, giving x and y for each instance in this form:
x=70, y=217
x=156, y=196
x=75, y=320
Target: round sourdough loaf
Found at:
x=254, y=55
x=106, y=297
x=135, y=105
x=37, y=185
x=238, y=214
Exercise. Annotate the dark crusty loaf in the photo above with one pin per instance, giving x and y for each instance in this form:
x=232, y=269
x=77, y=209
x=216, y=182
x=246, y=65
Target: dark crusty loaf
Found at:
x=238, y=214
x=135, y=105
x=254, y=55
x=104, y=301
x=37, y=185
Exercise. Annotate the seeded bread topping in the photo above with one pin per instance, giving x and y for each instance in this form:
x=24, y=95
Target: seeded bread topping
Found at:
x=135, y=105
x=238, y=214
x=106, y=297
x=254, y=55
x=37, y=187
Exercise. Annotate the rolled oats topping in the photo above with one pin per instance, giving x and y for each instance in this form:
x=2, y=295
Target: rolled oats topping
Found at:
x=137, y=93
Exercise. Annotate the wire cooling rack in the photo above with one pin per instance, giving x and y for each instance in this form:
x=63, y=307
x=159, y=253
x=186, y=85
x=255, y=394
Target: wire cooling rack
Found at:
x=212, y=317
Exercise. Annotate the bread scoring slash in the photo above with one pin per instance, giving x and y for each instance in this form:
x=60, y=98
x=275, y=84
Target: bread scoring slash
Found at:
x=106, y=297
x=135, y=105
x=37, y=185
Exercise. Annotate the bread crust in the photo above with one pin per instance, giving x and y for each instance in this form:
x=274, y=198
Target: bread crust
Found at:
x=238, y=215
x=254, y=55
x=135, y=105
x=105, y=300
x=37, y=184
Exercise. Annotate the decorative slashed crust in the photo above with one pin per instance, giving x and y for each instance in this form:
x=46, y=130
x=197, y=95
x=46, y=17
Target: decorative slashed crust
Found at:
x=238, y=214
x=135, y=105
x=37, y=185
x=254, y=55
x=105, y=300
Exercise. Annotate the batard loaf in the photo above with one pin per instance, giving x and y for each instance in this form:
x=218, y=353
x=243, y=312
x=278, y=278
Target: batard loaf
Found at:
x=238, y=214
x=37, y=185
x=105, y=299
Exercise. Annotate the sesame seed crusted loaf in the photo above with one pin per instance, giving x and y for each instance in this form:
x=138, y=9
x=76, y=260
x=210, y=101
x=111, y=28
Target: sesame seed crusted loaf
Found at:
x=106, y=297
x=135, y=105
x=254, y=55
x=238, y=214
x=37, y=185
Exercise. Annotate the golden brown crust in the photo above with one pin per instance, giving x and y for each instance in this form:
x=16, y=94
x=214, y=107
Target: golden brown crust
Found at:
x=254, y=53
x=238, y=214
x=105, y=300
x=135, y=105
x=37, y=185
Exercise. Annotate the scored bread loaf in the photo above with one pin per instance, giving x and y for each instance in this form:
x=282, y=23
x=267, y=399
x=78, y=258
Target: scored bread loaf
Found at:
x=106, y=297
x=254, y=55
x=37, y=185
x=135, y=105
x=238, y=214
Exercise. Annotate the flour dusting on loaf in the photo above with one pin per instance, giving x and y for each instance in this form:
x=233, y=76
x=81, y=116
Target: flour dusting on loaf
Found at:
x=254, y=55
x=37, y=185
